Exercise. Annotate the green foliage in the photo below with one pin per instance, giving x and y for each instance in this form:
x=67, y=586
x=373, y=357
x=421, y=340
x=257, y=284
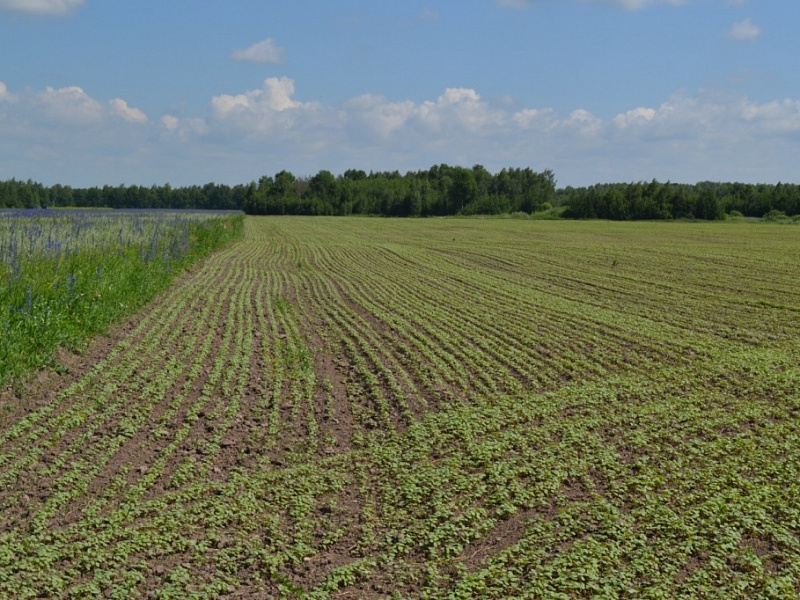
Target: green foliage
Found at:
x=775, y=215
x=441, y=190
x=211, y=196
x=655, y=200
x=70, y=274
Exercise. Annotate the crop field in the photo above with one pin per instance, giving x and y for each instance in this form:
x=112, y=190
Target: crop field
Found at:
x=440, y=408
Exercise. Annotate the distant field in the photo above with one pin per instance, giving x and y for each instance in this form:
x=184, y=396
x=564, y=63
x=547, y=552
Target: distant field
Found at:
x=438, y=408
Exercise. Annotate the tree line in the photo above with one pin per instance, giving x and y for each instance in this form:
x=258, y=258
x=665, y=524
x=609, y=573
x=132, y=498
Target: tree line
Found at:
x=212, y=196
x=655, y=200
x=438, y=191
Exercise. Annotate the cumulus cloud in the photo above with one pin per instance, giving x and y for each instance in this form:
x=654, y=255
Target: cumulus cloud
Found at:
x=269, y=112
x=41, y=7
x=69, y=105
x=637, y=116
x=677, y=137
x=782, y=117
x=542, y=119
x=380, y=115
x=55, y=134
x=121, y=109
x=459, y=108
x=72, y=106
x=583, y=122
x=711, y=117
x=274, y=96
x=458, y=111
x=744, y=31
x=688, y=137
x=265, y=52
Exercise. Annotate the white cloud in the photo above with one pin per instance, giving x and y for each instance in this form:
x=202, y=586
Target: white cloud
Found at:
x=262, y=52
x=456, y=112
x=269, y=112
x=708, y=135
x=688, y=137
x=69, y=105
x=67, y=108
x=535, y=118
x=41, y=7
x=782, y=117
x=744, y=31
x=378, y=114
x=711, y=117
x=56, y=133
x=637, y=116
x=459, y=108
x=583, y=122
x=120, y=108
x=275, y=96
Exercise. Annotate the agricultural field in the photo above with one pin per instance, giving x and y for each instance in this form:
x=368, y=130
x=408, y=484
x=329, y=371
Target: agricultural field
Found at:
x=439, y=408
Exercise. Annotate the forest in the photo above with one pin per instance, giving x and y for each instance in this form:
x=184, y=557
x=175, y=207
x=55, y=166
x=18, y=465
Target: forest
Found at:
x=438, y=191
x=655, y=201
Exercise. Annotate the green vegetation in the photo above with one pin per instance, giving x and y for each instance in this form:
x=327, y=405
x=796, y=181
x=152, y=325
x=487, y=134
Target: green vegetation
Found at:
x=438, y=191
x=438, y=408
x=654, y=200
x=67, y=274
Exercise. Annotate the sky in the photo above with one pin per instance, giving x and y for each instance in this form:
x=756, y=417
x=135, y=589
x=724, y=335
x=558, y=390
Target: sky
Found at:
x=96, y=92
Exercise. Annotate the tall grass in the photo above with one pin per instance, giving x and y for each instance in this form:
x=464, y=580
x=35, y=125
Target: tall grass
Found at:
x=65, y=275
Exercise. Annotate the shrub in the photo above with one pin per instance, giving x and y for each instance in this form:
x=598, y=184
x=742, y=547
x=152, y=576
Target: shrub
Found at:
x=775, y=215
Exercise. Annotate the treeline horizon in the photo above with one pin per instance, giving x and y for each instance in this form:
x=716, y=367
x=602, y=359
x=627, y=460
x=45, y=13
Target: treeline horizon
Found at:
x=658, y=201
x=442, y=190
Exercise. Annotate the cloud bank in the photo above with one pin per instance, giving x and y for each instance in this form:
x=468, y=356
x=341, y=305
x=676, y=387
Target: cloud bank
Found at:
x=688, y=137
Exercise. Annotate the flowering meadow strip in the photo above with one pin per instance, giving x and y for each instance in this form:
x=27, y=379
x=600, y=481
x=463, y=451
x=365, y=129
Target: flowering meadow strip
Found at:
x=66, y=274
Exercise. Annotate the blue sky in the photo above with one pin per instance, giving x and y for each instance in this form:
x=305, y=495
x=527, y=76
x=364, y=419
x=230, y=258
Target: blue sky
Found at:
x=96, y=92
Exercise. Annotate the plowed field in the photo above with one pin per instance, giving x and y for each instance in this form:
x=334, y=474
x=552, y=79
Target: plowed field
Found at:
x=432, y=408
